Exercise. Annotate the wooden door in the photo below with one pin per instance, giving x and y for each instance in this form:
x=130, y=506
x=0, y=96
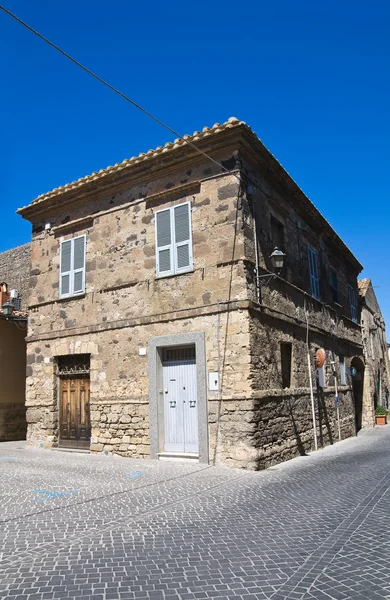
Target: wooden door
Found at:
x=75, y=424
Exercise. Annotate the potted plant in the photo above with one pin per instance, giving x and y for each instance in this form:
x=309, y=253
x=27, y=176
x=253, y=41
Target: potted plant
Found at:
x=380, y=415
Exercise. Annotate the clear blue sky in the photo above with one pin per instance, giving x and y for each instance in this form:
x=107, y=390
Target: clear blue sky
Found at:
x=311, y=77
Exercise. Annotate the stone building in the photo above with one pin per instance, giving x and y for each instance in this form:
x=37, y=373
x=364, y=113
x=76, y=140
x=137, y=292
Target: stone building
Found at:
x=15, y=271
x=377, y=375
x=151, y=329
x=14, y=275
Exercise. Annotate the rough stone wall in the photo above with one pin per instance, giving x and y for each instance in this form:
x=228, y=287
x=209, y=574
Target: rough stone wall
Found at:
x=272, y=201
x=125, y=305
x=120, y=384
x=15, y=271
x=13, y=424
x=281, y=424
x=121, y=268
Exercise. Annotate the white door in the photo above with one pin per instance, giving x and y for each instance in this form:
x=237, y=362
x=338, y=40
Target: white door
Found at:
x=180, y=400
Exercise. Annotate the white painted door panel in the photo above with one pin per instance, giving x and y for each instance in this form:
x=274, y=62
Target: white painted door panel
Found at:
x=180, y=406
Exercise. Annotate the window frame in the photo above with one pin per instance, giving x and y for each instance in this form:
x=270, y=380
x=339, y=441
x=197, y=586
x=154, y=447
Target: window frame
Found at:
x=314, y=276
x=175, y=269
x=352, y=303
x=72, y=270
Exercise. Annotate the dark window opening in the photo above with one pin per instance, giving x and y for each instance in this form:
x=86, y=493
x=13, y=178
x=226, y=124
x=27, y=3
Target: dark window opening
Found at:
x=334, y=286
x=353, y=303
x=73, y=364
x=277, y=234
x=285, y=355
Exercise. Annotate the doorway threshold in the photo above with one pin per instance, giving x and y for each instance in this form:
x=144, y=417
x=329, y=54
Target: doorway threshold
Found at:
x=179, y=456
x=74, y=450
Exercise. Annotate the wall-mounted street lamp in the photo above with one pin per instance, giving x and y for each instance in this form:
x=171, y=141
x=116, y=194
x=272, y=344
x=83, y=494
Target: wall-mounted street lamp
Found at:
x=8, y=310
x=277, y=261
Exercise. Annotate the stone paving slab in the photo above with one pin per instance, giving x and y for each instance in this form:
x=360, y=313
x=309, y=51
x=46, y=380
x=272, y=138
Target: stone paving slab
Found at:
x=315, y=527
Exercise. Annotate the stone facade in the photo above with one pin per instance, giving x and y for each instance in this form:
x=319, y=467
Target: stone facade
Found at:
x=15, y=271
x=377, y=372
x=252, y=419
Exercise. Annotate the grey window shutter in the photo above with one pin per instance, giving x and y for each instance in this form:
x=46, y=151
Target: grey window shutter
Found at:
x=65, y=285
x=65, y=267
x=78, y=264
x=183, y=242
x=163, y=242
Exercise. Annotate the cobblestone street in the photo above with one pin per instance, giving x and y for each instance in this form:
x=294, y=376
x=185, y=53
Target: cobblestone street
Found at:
x=108, y=528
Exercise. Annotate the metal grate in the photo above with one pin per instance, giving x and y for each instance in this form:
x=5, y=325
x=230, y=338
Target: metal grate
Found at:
x=177, y=354
x=75, y=364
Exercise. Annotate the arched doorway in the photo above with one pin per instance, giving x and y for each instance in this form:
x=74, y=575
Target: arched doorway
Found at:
x=357, y=387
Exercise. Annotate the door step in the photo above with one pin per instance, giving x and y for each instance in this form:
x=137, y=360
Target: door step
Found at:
x=77, y=450
x=179, y=456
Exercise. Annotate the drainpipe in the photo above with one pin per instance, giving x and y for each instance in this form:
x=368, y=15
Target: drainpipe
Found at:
x=249, y=192
x=310, y=379
x=257, y=256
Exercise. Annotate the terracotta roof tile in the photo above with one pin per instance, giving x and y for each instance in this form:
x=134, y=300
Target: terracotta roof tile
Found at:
x=169, y=146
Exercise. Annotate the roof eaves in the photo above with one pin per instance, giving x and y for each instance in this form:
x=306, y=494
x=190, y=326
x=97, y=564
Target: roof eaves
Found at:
x=135, y=160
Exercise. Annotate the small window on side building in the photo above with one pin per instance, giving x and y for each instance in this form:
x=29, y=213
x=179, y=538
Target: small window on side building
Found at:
x=285, y=356
x=353, y=303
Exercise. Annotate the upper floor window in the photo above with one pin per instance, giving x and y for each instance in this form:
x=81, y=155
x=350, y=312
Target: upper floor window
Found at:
x=72, y=267
x=353, y=303
x=313, y=270
x=277, y=234
x=334, y=286
x=174, y=240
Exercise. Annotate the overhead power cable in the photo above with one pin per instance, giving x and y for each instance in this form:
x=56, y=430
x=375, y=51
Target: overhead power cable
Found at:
x=111, y=87
x=127, y=98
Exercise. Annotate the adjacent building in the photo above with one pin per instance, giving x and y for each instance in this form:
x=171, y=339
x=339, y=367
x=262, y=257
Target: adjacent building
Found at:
x=158, y=326
x=14, y=281
x=377, y=378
